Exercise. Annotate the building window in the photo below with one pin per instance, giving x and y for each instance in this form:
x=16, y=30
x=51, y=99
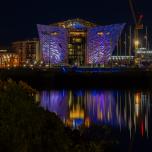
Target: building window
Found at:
x=77, y=40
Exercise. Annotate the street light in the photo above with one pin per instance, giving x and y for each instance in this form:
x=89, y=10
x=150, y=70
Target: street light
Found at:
x=136, y=42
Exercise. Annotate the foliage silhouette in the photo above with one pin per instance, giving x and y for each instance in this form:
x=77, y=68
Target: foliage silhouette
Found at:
x=26, y=127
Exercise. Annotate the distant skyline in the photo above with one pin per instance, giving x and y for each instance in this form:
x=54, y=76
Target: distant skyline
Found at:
x=18, y=18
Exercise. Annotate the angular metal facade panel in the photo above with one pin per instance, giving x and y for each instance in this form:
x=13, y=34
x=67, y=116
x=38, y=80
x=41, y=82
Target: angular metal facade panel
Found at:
x=101, y=42
x=54, y=43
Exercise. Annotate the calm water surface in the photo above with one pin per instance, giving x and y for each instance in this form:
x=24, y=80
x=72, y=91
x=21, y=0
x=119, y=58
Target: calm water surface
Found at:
x=128, y=111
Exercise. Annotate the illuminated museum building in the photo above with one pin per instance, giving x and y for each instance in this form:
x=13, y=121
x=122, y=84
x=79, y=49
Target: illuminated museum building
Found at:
x=78, y=42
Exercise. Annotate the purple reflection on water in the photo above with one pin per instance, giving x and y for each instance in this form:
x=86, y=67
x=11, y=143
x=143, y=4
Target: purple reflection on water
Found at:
x=55, y=101
x=114, y=108
x=101, y=107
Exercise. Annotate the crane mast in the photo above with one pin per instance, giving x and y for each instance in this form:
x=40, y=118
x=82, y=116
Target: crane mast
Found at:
x=138, y=23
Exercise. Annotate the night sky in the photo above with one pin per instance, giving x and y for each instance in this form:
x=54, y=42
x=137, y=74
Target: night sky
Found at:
x=18, y=18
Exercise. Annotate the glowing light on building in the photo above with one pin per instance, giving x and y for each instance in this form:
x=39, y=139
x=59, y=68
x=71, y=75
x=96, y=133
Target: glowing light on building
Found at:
x=9, y=60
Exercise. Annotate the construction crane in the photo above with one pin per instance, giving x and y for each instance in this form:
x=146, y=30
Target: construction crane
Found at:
x=138, y=23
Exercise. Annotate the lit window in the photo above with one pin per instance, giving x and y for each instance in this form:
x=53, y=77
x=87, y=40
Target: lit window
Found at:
x=70, y=46
x=77, y=40
x=79, y=47
x=54, y=33
x=100, y=33
x=78, y=33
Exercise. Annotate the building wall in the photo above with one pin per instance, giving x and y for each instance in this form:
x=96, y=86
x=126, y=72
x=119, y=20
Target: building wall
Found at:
x=29, y=51
x=9, y=60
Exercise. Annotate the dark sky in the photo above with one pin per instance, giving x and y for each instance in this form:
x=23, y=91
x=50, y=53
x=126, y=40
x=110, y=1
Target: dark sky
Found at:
x=18, y=18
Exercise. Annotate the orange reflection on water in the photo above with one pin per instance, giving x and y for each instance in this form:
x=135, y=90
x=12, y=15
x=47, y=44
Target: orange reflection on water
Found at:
x=137, y=98
x=77, y=113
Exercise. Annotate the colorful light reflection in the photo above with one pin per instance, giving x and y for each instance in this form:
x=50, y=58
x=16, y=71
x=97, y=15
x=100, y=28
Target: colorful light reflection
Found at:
x=53, y=44
x=113, y=108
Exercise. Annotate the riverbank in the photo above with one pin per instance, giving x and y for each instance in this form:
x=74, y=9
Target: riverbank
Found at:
x=80, y=77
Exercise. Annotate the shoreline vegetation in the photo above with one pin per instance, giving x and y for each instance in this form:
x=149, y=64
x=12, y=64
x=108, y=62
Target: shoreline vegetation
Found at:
x=26, y=127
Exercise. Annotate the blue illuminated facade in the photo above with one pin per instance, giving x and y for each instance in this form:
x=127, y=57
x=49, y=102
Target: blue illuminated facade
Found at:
x=78, y=42
x=53, y=42
x=101, y=42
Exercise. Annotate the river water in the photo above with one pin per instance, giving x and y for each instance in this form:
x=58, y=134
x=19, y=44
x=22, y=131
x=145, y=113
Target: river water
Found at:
x=128, y=111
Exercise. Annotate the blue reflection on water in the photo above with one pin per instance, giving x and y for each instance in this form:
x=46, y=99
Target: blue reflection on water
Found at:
x=55, y=102
x=120, y=109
